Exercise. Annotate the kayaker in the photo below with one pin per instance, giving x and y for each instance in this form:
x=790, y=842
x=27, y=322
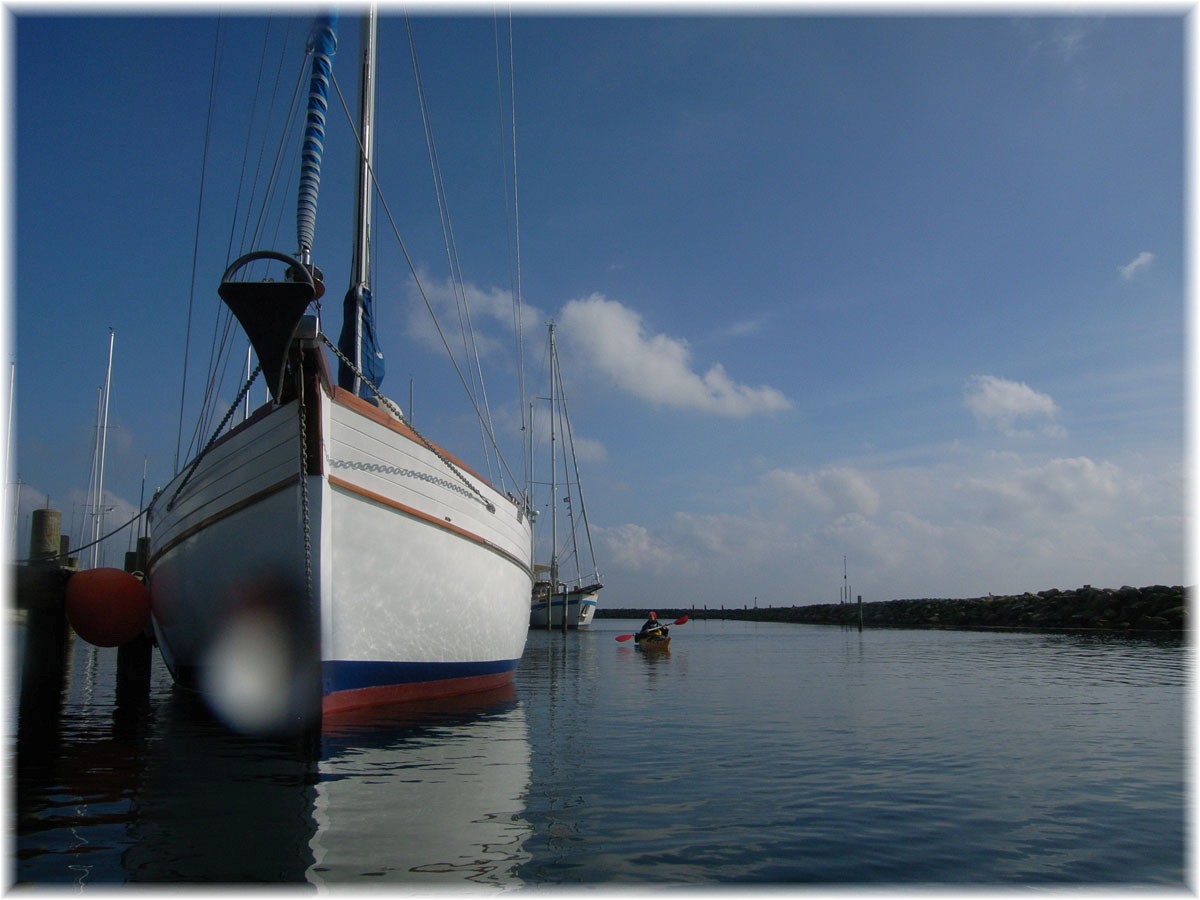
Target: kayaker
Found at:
x=651, y=625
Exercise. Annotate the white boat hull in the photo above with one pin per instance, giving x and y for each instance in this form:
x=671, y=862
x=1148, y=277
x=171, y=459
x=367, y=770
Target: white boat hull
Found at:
x=581, y=608
x=418, y=589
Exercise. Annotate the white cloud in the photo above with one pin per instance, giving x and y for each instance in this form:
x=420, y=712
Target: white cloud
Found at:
x=1068, y=40
x=590, y=450
x=490, y=311
x=964, y=526
x=1062, y=486
x=834, y=489
x=1141, y=261
x=744, y=328
x=633, y=549
x=1007, y=405
x=657, y=368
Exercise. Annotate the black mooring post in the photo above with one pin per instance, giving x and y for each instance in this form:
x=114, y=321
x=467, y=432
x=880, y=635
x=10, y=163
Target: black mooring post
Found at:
x=42, y=593
x=133, y=657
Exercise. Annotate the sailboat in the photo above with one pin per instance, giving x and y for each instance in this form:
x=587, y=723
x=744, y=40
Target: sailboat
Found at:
x=324, y=554
x=556, y=603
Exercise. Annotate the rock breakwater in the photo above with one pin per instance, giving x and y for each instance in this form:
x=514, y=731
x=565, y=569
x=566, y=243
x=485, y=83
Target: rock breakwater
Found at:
x=1153, y=608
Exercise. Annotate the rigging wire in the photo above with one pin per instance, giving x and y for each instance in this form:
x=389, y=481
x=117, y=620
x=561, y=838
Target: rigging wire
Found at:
x=250, y=185
x=412, y=268
x=220, y=353
x=570, y=443
x=187, y=341
x=247, y=144
x=454, y=263
x=287, y=145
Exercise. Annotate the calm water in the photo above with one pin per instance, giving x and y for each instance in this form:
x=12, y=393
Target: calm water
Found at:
x=753, y=753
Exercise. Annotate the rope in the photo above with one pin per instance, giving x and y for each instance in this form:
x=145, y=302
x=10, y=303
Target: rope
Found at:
x=75, y=551
x=212, y=440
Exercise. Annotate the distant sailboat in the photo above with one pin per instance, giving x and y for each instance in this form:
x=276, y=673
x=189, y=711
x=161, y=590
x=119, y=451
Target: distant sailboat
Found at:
x=555, y=601
x=372, y=564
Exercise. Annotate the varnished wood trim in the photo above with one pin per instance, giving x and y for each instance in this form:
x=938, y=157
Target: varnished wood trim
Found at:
x=334, y=481
x=347, y=399
x=251, y=500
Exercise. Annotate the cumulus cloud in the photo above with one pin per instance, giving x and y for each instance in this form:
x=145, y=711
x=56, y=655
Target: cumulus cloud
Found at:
x=832, y=489
x=590, y=450
x=490, y=311
x=1061, y=486
x=633, y=548
x=1141, y=261
x=1011, y=407
x=965, y=526
x=656, y=367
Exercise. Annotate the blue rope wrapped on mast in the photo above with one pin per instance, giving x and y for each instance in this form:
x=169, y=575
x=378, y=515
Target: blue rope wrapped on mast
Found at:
x=322, y=43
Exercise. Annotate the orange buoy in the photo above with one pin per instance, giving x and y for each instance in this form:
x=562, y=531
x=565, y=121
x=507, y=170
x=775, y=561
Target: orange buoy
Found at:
x=107, y=607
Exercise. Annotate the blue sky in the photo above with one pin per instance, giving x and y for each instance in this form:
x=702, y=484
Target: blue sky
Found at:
x=904, y=289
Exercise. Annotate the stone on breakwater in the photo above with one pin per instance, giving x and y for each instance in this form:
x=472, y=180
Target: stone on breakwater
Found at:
x=1153, y=608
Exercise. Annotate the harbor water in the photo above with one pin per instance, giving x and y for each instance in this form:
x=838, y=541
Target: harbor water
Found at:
x=752, y=753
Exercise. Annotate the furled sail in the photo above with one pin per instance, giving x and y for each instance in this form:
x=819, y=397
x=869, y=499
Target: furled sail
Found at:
x=322, y=43
x=359, y=343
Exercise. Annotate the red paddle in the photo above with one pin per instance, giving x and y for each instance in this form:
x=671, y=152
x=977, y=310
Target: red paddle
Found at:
x=682, y=620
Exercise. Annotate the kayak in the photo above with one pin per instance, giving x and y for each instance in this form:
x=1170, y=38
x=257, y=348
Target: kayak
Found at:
x=653, y=643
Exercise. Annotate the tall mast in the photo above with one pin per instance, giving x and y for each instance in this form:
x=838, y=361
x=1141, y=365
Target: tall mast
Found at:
x=360, y=274
x=357, y=339
x=91, y=506
x=103, y=444
x=553, y=486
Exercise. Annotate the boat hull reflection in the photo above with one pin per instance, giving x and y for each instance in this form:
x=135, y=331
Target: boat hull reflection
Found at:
x=430, y=793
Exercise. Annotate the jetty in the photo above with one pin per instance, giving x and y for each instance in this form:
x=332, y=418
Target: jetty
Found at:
x=1156, y=608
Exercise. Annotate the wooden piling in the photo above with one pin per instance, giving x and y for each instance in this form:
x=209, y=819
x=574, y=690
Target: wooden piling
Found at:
x=134, y=656
x=45, y=536
x=41, y=592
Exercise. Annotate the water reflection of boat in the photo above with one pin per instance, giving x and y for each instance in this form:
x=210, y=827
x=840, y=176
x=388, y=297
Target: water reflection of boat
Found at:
x=424, y=794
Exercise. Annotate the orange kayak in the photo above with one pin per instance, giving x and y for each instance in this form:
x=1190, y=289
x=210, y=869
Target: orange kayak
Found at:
x=653, y=643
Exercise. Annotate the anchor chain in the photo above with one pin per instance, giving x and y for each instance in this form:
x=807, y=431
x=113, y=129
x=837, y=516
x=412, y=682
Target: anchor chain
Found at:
x=491, y=507
x=304, y=503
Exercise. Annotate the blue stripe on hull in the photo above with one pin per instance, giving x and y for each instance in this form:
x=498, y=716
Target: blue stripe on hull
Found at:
x=343, y=675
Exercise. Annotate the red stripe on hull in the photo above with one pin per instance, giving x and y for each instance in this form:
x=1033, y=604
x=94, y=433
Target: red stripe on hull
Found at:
x=384, y=695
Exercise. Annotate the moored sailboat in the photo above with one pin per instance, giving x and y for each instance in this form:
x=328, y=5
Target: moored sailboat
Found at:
x=323, y=554
x=555, y=602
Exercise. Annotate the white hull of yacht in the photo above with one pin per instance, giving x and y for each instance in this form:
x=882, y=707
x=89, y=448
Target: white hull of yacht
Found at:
x=418, y=589
x=581, y=608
